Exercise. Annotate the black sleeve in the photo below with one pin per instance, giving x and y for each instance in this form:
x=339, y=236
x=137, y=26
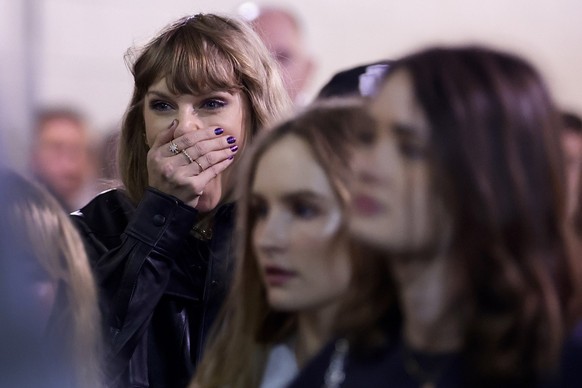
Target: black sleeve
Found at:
x=134, y=273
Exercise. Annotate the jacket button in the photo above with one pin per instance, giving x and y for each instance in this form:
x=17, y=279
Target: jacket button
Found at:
x=159, y=220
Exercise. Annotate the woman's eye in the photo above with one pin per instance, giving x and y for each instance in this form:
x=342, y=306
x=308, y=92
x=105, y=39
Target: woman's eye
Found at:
x=160, y=106
x=304, y=210
x=212, y=104
x=366, y=137
x=258, y=209
x=412, y=150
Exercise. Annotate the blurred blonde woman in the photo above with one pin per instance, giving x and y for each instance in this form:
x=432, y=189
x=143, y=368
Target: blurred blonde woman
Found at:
x=292, y=268
x=49, y=259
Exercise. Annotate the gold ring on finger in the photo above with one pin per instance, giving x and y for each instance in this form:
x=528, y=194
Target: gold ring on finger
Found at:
x=190, y=160
x=199, y=165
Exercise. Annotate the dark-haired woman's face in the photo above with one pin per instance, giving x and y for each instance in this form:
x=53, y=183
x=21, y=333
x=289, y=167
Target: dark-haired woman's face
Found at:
x=392, y=197
x=298, y=217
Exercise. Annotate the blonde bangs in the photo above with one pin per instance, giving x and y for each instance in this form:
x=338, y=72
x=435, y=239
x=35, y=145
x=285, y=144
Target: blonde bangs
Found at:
x=201, y=72
x=190, y=60
x=196, y=65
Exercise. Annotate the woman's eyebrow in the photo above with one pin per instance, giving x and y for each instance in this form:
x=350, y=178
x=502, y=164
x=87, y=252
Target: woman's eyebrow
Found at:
x=304, y=194
x=159, y=94
x=229, y=91
x=408, y=130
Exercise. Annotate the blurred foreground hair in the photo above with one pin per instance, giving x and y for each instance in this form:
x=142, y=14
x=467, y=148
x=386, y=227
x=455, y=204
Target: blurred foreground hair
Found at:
x=496, y=163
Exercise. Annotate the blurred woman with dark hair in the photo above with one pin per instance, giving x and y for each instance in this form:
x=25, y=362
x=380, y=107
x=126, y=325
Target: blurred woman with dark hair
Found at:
x=466, y=275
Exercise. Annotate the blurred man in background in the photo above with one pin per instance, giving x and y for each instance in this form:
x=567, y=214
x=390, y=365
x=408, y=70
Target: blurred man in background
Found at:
x=282, y=33
x=61, y=157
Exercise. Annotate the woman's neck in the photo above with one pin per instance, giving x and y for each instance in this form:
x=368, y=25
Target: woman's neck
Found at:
x=432, y=303
x=313, y=331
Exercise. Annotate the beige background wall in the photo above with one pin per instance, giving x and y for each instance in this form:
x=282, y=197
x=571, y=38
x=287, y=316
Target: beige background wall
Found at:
x=78, y=45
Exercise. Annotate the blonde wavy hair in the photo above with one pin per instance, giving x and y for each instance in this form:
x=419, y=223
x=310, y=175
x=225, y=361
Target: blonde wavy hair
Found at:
x=198, y=54
x=47, y=235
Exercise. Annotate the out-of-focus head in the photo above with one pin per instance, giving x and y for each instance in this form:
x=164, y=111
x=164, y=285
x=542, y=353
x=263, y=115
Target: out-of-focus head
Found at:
x=283, y=35
x=486, y=125
x=56, y=277
x=298, y=215
x=466, y=162
x=61, y=155
x=295, y=192
x=571, y=136
x=195, y=55
x=394, y=205
x=361, y=81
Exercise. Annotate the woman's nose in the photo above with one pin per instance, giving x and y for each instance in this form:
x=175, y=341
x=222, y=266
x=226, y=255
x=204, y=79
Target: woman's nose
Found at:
x=378, y=162
x=188, y=120
x=271, y=234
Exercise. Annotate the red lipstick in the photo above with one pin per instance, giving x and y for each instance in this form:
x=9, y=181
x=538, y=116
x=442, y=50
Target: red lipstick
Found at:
x=366, y=205
x=277, y=276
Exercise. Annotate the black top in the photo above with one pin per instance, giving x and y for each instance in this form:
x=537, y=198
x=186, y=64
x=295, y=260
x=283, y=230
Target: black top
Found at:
x=160, y=287
x=392, y=365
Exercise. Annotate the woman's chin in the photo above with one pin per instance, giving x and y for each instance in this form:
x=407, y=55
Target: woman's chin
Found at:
x=369, y=232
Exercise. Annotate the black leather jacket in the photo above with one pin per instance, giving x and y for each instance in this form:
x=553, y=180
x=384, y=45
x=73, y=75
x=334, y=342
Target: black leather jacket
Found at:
x=161, y=288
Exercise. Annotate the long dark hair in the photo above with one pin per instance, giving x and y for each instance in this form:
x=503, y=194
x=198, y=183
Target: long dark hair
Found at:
x=495, y=161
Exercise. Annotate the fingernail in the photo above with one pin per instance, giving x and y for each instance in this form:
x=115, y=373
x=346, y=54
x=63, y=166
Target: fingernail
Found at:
x=174, y=123
x=230, y=139
x=218, y=131
x=234, y=148
x=231, y=157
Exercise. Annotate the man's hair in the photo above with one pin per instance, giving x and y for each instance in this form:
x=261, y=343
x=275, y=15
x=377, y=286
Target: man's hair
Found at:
x=68, y=113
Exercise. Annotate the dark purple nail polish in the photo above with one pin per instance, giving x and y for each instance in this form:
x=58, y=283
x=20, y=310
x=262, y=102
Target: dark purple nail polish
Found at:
x=218, y=131
x=230, y=139
x=231, y=157
x=234, y=148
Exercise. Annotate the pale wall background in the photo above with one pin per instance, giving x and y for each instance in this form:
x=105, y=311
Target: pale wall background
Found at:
x=71, y=51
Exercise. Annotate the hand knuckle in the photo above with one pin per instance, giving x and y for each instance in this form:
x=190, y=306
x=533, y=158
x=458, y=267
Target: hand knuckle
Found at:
x=185, y=142
x=199, y=149
x=167, y=170
x=207, y=159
